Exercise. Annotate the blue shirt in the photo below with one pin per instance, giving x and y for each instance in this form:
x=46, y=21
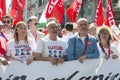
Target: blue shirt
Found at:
x=76, y=48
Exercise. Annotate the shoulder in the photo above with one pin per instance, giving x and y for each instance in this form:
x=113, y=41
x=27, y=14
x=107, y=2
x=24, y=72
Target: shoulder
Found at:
x=1, y=38
x=11, y=42
x=92, y=38
x=30, y=40
x=61, y=40
x=112, y=47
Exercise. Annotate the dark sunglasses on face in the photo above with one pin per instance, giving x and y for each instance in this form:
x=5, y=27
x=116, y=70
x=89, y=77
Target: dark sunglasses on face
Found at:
x=35, y=24
x=6, y=22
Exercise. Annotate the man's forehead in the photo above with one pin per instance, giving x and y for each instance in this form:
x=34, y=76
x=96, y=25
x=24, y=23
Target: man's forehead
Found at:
x=51, y=23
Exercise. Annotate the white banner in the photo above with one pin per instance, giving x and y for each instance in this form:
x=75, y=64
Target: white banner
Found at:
x=91, y=69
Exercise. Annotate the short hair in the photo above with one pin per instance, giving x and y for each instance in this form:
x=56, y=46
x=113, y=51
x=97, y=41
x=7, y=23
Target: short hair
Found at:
x=69, y=26
x=52, y=19
x=51, y=22
x=7, y=16
x=92, y=25
x=82, y=19
x=31, y=18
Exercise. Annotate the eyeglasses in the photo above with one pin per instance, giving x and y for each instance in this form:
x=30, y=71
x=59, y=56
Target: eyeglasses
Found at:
x=6, y=22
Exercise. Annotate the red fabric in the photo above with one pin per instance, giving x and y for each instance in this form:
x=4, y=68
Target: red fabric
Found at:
x=44, y=31
x=17, y=10
x=99, y=18
x=73, y=10
x=55, y=9
x=110, y=16
x=2, y=47
x=2, y=8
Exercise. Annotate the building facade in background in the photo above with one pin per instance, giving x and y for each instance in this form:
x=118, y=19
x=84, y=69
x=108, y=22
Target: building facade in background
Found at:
x=88, y=9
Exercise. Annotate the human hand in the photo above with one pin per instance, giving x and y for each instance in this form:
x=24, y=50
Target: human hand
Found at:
x=114, y=56
x=106, y=57
x=53, y=60
x=60, y=60
x=5, y=62
x=29, y=61
x=82, y=58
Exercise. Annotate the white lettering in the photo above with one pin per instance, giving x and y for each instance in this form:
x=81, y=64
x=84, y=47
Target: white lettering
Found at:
x=19, y=3
x=50, y=9
x=54, y=2
x=0, y=12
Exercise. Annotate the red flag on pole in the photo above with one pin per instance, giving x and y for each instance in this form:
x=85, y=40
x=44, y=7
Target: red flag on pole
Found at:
x=2, y=8
x=99, y=18
x=55, y=9
x=110, y=18
x=73, y=10
x=17, y=10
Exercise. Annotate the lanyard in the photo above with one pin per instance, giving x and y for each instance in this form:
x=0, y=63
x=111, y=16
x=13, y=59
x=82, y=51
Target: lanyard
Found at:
x=4, y=36
x=104, y=50
x=85, y=47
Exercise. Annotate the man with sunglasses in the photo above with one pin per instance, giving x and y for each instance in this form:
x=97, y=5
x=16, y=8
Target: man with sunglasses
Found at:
x=33, y=29
x=6, y=31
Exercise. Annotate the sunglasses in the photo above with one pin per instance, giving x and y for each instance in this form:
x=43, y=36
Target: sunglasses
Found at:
x=6, y=22
x=36, y=24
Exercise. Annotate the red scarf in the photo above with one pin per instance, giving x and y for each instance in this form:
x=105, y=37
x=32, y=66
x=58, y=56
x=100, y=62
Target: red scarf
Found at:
x=104, y=50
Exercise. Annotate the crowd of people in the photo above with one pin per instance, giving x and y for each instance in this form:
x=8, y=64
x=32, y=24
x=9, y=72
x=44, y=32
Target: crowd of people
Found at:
x=76, y=41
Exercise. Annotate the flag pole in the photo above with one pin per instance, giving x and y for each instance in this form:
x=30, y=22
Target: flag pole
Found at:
x=25, y=10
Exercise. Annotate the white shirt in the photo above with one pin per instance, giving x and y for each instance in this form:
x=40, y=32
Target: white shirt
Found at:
x=22, y=50
x=51, y=48
x=67, y=36
x=113, y=50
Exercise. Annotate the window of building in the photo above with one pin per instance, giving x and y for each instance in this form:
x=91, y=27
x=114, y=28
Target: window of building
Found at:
x=40, y=3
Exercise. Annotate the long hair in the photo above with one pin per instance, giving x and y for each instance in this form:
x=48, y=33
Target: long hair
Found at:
x=16, y=36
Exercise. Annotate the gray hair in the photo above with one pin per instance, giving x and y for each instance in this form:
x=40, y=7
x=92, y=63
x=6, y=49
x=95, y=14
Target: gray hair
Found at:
x=82, y=19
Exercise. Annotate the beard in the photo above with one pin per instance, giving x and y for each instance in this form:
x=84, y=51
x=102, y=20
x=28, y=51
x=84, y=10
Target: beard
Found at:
x=7, y=27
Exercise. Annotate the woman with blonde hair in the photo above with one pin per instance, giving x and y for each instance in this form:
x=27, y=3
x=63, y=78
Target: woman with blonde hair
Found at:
x=20, y=48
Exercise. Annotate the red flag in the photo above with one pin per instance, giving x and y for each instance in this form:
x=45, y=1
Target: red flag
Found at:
x=110, y=19
x=55, y=9
x=110, y=16
x=2, y=8
x=99, y=18
x=73, y=10
x=17, y=10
